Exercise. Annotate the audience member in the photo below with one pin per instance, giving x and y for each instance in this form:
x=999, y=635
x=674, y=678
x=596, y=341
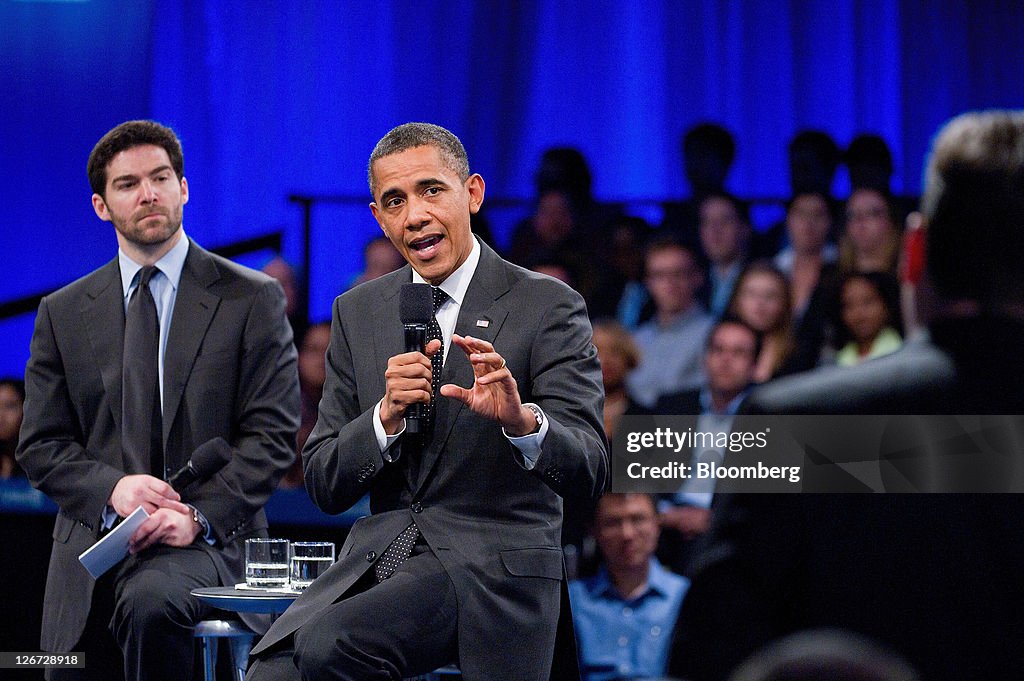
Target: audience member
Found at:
x=724, y=235
x=12, y=401
x=809, y=263
x=672, y=342
x=762, y=300
x=871, y=238
x=621, y=292
x=379, y=258
x=312, y=374
x=554, y=233
x=825, y=655
x=729, y=362
x=708, y=151
x=281, y=270
x=936, y=577
x=870, y=313
x=813, y=160
x=619, y=356
x=625, y=613
x=869, y=163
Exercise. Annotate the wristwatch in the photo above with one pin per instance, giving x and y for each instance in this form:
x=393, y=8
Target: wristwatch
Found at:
x=537, y=414
x=200, y=520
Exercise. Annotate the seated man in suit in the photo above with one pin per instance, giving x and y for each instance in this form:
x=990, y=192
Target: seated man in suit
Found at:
x=164, y=354
x=937, y=577
x=730, y=359
x=461, y=558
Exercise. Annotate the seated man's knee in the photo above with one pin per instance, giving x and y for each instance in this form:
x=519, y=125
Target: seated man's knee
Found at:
x=149, y=597
x=319, y=647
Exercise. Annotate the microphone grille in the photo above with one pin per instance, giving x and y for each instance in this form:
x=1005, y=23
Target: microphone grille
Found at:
x=415, y=304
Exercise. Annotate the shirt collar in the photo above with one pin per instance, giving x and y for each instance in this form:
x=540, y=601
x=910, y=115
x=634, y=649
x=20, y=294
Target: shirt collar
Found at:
x=171, y=265
x=730, y=409
x=457, y=282
x=657, y=582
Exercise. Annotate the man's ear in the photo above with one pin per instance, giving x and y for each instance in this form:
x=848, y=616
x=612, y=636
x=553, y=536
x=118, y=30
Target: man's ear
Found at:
x=100, y=206
x=475, y=187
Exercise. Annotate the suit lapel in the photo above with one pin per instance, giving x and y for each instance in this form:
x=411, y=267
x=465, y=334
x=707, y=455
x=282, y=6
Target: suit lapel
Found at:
x=482, y=304
x=389, y=339
x=103, y=312
x=194, y=307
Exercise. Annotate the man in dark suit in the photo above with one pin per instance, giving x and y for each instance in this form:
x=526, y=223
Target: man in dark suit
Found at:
x=730, y=358
x=480, y=496
x=222, y=376
x=935, y=576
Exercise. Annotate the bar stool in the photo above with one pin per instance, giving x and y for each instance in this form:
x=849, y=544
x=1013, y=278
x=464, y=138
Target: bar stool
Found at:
x=239, y=636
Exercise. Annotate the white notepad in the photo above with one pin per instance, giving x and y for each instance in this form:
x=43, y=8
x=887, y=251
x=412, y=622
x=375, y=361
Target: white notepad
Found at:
x=111, y=549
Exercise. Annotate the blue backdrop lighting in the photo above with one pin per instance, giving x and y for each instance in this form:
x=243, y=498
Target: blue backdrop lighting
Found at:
x=276, y=97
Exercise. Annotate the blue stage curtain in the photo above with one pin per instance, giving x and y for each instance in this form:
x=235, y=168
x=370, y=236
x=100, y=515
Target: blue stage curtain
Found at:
x=276, y=97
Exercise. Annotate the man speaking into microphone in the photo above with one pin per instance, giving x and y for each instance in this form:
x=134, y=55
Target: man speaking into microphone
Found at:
x=168, y=358
x=461, y=559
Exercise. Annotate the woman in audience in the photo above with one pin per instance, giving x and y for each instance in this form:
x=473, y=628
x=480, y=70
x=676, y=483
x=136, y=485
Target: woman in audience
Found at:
x=871, y=325
x=619, y=355
x=810, y=265
x=12, y=399
x=871, y=239
x=761, y=299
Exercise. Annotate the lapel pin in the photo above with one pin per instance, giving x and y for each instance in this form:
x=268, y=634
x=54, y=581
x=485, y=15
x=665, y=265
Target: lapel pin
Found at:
x=483, y=323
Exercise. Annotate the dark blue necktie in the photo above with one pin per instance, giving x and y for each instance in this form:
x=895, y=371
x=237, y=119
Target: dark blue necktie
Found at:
x=141, y=423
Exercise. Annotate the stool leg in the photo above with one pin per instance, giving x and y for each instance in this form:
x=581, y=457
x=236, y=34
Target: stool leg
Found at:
x=240, y=647
x=209, y=658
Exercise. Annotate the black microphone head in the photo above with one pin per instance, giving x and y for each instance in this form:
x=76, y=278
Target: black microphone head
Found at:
x=210, y=457
x=416, y=304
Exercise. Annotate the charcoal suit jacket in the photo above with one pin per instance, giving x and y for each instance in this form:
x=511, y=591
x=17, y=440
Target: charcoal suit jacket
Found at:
x=493, y=524
x=230, y=381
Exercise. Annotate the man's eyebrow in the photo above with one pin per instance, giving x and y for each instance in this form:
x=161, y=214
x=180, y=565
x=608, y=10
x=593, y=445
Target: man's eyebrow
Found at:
x=390, y=193
x=430, y=182
x=132, y=176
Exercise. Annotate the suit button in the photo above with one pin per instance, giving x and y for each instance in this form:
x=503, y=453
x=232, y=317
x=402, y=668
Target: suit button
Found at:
x=371, y=556
x=417, y=507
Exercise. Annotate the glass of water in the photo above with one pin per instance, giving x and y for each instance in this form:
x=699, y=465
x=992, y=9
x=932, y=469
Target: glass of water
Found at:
x=310, y=559
x=266, y=563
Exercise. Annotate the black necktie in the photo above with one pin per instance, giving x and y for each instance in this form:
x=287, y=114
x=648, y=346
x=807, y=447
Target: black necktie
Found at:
x=141, y=423
x=401, y=548
x=437, y=361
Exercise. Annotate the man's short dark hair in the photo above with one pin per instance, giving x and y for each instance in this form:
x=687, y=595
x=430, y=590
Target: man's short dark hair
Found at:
x=974, y=207
x=126, y=136
x=741, y=207
x=705, y=136
x=733, y=320
x=411, y=135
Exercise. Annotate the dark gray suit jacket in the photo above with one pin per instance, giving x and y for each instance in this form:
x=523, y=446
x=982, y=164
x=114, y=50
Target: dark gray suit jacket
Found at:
x=493, y=524
x=229, y=373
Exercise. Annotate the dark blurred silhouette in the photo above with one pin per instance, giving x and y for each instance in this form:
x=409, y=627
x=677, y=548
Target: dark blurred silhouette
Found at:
x=12, y=401
x=708, y=151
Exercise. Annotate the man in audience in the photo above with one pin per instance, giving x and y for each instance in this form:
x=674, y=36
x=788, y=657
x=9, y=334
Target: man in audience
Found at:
x=671, y=343
x=624, y=615
x=935, y=576
x=708, y=152
x=724, y=233
x=729, y=361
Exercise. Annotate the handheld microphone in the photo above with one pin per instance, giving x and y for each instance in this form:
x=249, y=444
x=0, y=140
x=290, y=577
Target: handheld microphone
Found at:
x=415, y=308
x=207, y=459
